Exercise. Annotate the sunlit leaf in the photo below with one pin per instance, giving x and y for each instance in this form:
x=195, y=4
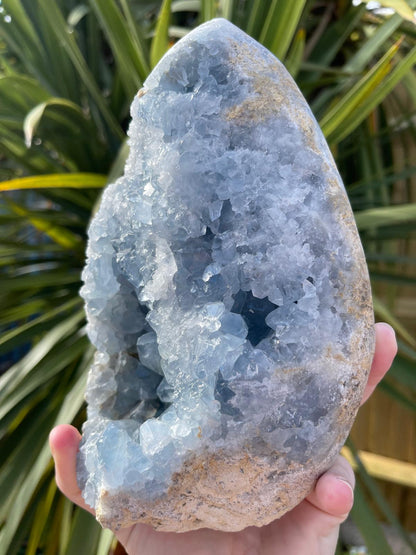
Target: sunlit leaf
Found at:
x=385, y=216
x=208, y=9
x=71, y=180
x=352, y=99
x=400, y=6
x=77, y=14
x=375, y=41
x=280, y=25
x=106, y=542
x=374, y=99
x=186, y=6
x=294, y=58
x=226, y=8
x=161, y=39
x=41, y=519
x=85, y=534
x=130, y=55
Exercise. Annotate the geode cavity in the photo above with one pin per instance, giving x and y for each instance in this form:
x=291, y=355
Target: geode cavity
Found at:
x=227, y=296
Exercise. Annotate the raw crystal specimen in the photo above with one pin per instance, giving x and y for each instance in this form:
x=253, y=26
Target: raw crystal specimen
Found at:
x=227, y=296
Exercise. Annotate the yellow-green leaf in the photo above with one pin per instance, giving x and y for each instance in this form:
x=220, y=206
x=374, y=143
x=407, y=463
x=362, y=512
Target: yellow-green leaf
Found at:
x=295, y=55
x=106, y=542
x=41, y=519
x=344, y=106
x=385, y=216
x=280, y=25
x=208, y=10
x=126, y=42
x=56, y=181
x=85, y=533
x=160, y=41
x=374, y=98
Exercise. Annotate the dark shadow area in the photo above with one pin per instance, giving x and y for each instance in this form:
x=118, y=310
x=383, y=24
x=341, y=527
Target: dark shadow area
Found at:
x=254, y=312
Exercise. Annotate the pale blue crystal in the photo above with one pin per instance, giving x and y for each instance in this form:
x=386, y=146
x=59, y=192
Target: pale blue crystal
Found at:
x=227, y=296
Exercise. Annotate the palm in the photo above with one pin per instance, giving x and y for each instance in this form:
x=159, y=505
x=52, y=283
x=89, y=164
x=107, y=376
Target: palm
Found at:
x=289, y=535
x=311, y=527
x=314, y=521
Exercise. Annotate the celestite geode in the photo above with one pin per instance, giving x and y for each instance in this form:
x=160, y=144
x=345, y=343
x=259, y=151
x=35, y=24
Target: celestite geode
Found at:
x=227, y=296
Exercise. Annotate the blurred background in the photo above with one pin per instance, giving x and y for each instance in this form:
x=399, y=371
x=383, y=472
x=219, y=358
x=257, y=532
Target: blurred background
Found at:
x=69, y=70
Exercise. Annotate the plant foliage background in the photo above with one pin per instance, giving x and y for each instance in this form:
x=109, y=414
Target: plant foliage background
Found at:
x=68, y=72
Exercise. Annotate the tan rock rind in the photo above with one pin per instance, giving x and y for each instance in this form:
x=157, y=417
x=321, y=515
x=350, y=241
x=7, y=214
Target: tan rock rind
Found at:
x=222, y=491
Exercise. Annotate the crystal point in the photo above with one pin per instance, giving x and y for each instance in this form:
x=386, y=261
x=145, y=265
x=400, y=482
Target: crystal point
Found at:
x=227, y=296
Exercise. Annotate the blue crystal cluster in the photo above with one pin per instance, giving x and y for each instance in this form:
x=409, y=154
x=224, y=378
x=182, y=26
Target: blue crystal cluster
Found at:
x=216, y=275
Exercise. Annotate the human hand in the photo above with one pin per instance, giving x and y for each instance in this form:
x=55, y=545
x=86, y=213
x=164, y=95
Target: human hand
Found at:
x=311, y=528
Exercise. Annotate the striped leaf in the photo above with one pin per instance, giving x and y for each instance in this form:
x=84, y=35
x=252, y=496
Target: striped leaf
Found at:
x=56, y=181
x=161, y=37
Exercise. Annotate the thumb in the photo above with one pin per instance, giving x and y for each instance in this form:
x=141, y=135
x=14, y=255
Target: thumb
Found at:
x=64, y=441
x=334, y=490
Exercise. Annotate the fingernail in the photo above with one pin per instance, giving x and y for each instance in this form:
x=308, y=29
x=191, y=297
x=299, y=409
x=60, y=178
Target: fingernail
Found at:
x=347, y=484
x=387, y=326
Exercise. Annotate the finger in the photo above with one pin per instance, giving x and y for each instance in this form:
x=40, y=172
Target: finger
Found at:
x=334, y=490
x=386, y=350
x=64, y=441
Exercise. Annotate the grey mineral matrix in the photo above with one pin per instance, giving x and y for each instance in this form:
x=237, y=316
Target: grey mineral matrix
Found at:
x=227, y=296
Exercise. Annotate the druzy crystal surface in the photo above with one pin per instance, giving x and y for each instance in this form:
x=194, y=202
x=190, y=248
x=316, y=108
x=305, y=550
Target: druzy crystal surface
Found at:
x=227, y=296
